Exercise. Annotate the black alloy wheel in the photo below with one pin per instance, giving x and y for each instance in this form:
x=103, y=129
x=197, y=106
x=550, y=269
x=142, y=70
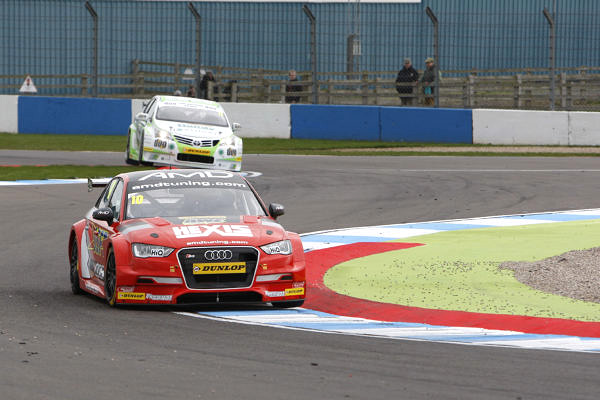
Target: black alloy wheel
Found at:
x=74, y=267
x=129, y=160
x=110, y=279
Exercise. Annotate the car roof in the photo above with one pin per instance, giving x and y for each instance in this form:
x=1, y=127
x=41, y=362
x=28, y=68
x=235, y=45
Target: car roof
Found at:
x=185, y=175
x=187, y=101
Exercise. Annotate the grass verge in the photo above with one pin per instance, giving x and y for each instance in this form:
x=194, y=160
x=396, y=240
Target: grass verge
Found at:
x=261, y=146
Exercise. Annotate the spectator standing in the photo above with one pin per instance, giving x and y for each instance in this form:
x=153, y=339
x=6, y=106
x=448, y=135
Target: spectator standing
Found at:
x=405, y=81
x=191, y=92
x=292, y=86
x=429, y=82
x=208, y=77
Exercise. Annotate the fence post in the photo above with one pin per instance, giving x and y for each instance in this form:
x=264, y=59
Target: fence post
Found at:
x=470, y=91
x=550, y=19
x=364, y=88
x=94, y=15
x=436, y=55
x=282, y=90
x=198, y=19
x=563, y=90
x=377, y=91
x=313, y=51
x=177, y=80
x=84, y=85
x=518, y=88
x=234, y=90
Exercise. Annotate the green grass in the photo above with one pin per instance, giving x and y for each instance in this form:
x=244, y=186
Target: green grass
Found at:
x=12, y=141
x=251, y=145
x=62, y=172
x=268, y=146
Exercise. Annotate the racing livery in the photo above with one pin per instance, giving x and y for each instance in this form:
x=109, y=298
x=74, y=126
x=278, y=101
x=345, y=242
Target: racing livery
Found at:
x=181, y=236
x=184, y=131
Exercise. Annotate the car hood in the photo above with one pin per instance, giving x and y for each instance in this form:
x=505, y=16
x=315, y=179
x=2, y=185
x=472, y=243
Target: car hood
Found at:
x=194, y=130
x=251, y=231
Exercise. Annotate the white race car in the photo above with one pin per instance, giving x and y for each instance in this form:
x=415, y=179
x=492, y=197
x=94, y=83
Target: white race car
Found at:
x=184, y=131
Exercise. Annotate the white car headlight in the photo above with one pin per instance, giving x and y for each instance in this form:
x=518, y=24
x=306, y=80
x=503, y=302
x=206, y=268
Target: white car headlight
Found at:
x=161, y=134
x=229, y=141
x=142, y=250
x=283, y=247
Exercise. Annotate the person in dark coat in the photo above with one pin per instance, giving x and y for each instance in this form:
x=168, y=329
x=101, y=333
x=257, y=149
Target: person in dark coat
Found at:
x=204, y=84
x=292, y=86
x=405, y=81
x=428, y=80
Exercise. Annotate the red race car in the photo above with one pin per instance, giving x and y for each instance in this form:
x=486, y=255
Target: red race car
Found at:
x=185, y=236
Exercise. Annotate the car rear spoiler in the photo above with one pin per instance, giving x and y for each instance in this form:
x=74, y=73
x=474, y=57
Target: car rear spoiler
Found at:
x=99, y=182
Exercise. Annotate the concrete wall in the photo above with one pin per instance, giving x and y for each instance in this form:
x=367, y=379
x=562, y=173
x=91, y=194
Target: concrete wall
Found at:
x=260, y=120
x=515, y=127
x=33, y=114
x=9, y=117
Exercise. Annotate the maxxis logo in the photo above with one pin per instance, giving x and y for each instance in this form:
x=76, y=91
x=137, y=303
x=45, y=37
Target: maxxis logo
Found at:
x=218, y=255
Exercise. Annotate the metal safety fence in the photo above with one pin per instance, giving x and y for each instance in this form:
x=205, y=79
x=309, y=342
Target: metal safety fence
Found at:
x=529, y=54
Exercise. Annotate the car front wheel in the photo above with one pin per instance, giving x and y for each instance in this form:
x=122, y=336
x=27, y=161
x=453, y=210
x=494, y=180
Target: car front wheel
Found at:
x=128, y=159
x=74, y=267
x=110, y=280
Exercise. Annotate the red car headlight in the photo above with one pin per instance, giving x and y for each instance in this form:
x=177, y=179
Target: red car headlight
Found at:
x=282, y=247
x=143, y=250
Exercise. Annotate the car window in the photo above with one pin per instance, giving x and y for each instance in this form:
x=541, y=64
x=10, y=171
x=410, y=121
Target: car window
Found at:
x=105, y=195
x=192, y=115
x=116, y=199
x=225, y=204
x=152, y=108
x=149, y=106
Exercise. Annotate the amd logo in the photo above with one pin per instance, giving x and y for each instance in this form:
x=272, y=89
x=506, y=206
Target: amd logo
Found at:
x=198, y=174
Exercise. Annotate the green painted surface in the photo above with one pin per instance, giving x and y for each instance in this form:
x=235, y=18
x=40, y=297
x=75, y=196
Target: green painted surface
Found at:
x=458, y=270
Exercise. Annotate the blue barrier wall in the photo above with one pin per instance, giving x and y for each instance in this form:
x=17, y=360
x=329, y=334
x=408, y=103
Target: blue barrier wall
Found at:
x=74, y=115
x=426, y=125
x=388, y=124
x=335, y=122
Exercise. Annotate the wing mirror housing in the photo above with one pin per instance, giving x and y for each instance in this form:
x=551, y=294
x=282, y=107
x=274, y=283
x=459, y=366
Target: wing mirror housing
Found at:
x=236, y=126
x=104, y=214
x=276, y=210
x=141, y=117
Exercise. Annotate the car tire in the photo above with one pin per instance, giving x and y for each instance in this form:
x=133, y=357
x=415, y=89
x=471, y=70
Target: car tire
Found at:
x=141, y=152
x=74, y=267
x=110, y=279
x=288, y=304
x=128, y=160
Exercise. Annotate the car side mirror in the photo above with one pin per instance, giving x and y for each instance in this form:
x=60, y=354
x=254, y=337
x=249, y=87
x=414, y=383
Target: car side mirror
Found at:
x=276, y=210
x=104, y=214
x=236, y=126
x=141, y=117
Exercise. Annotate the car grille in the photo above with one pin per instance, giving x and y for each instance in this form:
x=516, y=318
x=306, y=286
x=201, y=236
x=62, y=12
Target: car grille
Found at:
x=196, y=142
x=195, y=158
x=190, y=256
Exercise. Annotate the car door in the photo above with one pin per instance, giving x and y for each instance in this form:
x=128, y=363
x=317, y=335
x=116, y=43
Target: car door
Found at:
x=99, y=232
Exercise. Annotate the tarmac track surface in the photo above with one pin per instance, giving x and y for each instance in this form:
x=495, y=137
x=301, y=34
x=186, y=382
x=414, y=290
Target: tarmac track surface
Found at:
x=54, y=345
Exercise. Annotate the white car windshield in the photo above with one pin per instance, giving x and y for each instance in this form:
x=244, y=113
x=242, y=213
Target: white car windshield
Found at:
x=194, y=204
x=191, y=115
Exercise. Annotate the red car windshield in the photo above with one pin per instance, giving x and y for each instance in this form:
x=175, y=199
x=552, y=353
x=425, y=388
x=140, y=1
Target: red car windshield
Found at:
x=194, y=204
